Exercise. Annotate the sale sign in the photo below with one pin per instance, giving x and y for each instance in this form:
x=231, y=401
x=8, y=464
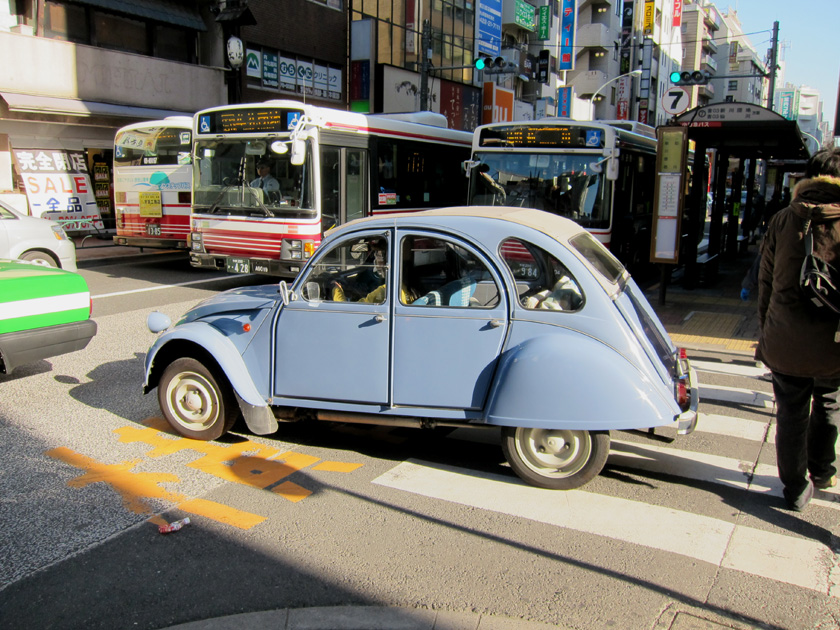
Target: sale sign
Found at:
x=58, y=185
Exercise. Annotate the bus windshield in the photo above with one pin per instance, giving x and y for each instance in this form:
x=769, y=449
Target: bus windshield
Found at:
x=562, y=183
x=246, y=177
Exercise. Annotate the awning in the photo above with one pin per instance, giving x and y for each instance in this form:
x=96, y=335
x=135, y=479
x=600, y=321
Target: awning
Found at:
x=28, y=103
x=166, y=11
x=745, y=130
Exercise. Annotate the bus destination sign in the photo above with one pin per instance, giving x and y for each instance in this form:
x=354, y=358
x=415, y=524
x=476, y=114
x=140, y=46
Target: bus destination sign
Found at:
x=264, y=120
x=542, y=136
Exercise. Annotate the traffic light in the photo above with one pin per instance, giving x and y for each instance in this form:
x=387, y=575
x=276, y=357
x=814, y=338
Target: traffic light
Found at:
x=494, y=65
x=690, y=77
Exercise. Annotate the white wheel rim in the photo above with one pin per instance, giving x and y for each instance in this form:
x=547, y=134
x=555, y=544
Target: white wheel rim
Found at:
x=553, y=453
x=192, y=401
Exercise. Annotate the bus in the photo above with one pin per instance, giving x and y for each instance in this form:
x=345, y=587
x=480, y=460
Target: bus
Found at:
x=599, y=174
x=270, y=178
x=152, y=181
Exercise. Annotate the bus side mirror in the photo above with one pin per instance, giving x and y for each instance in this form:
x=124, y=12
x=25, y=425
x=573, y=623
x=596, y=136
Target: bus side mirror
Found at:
x=469, y=165
x=612, y=168
x=298, y=156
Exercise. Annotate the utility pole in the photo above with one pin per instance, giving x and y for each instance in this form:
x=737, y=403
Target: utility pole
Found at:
x=774, y=51
x=425, y=45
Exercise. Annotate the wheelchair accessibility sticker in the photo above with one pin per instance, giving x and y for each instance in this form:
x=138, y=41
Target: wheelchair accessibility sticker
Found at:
x=246, y=463
x=593, y=138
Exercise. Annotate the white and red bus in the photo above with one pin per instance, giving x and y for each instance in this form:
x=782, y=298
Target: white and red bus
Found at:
x=152, y=181
x=600, y=174
x=269, y=178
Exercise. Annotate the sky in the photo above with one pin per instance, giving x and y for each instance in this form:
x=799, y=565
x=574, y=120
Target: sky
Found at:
x=809, y=30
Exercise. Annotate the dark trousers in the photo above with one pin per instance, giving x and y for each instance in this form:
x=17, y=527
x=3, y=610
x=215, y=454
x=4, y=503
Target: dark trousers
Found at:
x=807, y=418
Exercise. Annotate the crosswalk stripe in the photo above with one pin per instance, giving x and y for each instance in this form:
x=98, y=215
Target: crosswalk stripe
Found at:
x=735, y=427
x=739, y=395
x=796, y=561
x=728, y=368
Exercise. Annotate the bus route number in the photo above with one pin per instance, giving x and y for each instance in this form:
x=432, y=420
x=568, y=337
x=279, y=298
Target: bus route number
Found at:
x=676, y=101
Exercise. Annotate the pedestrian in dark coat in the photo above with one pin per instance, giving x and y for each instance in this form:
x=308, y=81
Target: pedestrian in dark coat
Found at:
x=797, y=343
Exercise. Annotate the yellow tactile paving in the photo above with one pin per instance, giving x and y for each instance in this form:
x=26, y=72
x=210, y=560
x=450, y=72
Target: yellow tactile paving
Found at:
x=701, y=327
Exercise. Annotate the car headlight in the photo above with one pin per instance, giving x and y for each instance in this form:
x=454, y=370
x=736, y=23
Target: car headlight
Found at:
x=59, y=233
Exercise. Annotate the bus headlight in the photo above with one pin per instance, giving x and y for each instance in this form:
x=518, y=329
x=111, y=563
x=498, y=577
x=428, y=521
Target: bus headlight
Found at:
x=296, y=249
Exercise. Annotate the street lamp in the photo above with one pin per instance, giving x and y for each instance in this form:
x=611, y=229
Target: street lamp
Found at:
x=635, y=73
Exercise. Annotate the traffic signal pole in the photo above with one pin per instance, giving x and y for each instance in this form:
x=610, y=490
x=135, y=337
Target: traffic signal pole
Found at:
x=774, y=50
x=425, y=45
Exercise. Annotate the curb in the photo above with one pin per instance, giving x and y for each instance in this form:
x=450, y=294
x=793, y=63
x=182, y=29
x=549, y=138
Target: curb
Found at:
x=363, y=618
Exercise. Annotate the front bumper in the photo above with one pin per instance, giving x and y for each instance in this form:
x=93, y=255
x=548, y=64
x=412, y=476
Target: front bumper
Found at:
x=266, y=266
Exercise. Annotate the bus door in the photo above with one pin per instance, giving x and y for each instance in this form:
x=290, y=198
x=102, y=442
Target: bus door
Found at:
x=344, y=176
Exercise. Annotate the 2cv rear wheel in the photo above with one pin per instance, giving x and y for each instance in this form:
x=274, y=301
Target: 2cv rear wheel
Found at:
x=554, y=458
x=195, y=402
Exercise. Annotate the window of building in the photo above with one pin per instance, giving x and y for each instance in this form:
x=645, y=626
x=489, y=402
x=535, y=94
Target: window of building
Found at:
x=120, y=33
x=333, y=4
x=733, y=86
x=66, y=22
x=84, y=24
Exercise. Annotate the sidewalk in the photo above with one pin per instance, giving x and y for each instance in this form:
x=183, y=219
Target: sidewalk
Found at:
x=714, y=317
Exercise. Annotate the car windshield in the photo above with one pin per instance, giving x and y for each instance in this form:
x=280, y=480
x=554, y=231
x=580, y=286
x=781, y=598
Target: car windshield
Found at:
x=563, y=184
x=244, y=177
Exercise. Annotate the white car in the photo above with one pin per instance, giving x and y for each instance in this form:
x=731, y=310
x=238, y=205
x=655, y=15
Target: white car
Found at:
x=35, y=239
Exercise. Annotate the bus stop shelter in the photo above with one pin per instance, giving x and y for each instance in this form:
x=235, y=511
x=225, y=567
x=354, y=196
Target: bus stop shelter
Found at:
x=744, y=131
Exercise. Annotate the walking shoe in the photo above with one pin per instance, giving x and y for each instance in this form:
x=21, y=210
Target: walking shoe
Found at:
x=799, y=503
x=825, y=482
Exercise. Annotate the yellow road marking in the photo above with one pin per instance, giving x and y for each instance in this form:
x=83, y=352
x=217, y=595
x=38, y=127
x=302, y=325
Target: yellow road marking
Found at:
x=246, y=463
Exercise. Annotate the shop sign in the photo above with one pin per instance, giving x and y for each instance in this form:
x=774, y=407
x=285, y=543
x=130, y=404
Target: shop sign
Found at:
x=57, y=184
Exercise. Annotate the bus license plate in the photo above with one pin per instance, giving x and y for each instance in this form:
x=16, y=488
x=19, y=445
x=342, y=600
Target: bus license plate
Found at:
x=153, y=229
x=238, y=265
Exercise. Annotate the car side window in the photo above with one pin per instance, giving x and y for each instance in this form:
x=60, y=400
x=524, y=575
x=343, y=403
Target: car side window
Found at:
x=542, y=281
x=6, y=214
x=355, y=270
x=438, y=272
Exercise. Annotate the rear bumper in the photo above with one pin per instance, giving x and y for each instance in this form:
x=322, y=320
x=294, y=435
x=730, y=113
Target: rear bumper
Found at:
x=687, y=421
x=28, y=346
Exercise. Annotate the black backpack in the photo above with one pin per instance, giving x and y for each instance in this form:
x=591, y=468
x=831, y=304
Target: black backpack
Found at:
x=819, y=280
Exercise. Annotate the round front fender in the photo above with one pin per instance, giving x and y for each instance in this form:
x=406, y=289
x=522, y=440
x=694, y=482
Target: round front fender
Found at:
x=219, y=347
x=572, y=381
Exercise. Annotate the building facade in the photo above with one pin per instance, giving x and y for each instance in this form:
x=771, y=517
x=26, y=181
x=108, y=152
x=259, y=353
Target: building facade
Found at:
x=75, y=71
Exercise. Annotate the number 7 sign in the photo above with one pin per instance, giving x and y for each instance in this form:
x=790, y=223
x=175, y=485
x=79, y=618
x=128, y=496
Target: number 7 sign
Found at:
x=676, y=100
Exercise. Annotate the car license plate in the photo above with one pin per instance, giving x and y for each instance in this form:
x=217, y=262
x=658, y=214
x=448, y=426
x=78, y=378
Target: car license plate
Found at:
x=153, y=229
x=238, y=265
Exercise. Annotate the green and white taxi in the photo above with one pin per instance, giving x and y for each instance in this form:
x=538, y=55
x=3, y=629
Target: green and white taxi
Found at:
x=44, y=312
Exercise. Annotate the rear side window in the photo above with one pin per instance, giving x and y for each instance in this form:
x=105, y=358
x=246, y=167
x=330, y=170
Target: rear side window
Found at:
x=605, y=263
x=542, y=281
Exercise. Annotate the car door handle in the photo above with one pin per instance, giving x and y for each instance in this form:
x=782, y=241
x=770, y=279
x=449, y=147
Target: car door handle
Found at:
x=380, y=318
x=495, y=323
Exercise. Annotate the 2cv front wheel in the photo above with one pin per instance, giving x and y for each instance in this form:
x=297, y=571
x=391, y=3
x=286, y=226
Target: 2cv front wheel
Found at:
x=195, y=402
x=558, y=459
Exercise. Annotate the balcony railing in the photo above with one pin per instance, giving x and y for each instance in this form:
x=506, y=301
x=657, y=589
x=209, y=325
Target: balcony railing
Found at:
x=585, y=83
x=594, y=36
x=57, y=69
x=710, y=45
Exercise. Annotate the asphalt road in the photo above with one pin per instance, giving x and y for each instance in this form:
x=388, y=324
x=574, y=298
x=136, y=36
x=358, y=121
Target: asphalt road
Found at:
x=322, y=514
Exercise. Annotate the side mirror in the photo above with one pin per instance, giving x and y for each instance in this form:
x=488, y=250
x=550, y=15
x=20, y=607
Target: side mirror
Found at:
x=285, y=293
x=468, y=166
x=298, y=156
x=312, y=292
x=612, y=168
